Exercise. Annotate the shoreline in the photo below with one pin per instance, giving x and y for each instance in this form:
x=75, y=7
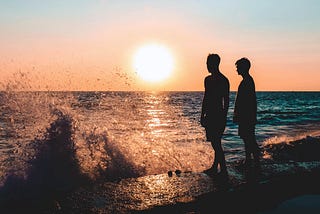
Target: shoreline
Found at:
x=252, y=196
x=245, y=190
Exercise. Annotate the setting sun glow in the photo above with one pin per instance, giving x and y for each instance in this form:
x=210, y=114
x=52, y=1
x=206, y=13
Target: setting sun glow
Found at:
x=153, y=62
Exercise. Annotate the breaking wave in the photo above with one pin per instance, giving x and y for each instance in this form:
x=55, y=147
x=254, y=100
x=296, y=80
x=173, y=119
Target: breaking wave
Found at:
x=303, y=147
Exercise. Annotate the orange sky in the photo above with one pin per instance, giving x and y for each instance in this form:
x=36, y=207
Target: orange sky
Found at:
x=60, y=47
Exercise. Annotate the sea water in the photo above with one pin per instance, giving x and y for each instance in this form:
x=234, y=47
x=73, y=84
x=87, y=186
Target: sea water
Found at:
x=129, y=134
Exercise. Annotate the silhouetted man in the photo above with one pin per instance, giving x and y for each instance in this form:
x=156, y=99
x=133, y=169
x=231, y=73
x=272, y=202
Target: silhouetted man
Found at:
x=214, y=110
x=245, y=111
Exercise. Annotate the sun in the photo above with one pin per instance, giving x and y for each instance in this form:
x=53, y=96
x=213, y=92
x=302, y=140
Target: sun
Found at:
x=153, y=62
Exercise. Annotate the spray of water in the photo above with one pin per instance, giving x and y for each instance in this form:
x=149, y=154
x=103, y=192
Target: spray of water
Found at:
x=54, y=141
x=302, y=147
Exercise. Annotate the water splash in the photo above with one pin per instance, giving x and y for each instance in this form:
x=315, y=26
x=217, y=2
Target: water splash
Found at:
x=302, y=147
x=113, y=135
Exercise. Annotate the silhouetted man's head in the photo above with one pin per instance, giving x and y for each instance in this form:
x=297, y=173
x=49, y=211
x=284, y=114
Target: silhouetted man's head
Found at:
x=213, y=61
x=243, y=65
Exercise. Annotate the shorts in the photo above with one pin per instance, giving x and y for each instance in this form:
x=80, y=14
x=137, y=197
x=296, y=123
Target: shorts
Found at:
x=214, y=131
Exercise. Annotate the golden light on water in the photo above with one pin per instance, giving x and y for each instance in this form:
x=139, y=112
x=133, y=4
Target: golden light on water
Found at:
x=153, y=62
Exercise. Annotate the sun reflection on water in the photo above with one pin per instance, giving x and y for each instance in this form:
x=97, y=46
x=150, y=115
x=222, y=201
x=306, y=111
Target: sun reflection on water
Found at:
x=166, y=129
x=157, y=117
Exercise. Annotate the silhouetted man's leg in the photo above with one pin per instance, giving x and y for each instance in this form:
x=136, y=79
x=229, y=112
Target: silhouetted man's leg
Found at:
x=220, y=154
x=216, y=158
x=223, y=166
x=251, y=147
x=255, y=150
x=247, y=150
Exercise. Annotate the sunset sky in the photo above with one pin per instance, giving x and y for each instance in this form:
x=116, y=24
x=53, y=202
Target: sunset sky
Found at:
x=91, y=44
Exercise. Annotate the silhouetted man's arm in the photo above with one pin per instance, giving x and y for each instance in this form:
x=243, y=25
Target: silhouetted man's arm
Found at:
x=226, y=100
x=204, y=108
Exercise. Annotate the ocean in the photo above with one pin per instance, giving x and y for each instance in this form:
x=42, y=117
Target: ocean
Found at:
x=112, y=135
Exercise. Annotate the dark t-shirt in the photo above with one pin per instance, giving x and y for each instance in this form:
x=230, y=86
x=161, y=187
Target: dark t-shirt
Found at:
x=245, y=110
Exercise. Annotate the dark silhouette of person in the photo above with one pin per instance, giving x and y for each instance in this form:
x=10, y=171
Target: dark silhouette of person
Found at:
x=245, y=112
x=214, y=111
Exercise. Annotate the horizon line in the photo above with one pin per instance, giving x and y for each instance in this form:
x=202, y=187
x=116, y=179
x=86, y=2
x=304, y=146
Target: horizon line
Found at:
x=147, y=91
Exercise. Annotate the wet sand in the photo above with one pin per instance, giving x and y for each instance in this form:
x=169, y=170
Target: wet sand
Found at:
x=302, y=204
x=249, y=191
x=254, y=192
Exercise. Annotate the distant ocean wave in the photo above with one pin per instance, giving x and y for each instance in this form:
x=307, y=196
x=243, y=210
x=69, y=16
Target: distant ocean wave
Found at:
x=283, y=112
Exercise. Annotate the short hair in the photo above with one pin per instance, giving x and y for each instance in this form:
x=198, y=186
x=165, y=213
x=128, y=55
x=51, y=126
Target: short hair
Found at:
x=244, y=63
x=213, y=60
